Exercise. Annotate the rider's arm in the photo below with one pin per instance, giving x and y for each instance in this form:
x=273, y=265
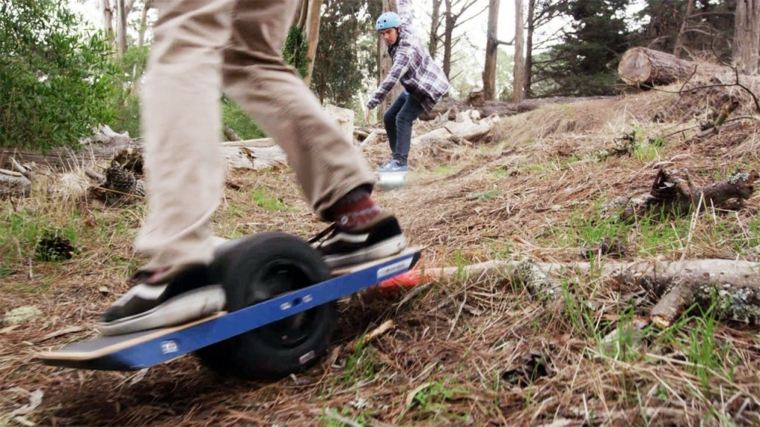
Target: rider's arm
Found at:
x=400, y=65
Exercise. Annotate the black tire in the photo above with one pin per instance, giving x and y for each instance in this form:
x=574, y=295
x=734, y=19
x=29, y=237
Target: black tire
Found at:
x=258, y=268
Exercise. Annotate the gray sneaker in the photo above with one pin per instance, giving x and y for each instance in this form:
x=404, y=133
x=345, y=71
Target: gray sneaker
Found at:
x=385, y=165
x=395, y=166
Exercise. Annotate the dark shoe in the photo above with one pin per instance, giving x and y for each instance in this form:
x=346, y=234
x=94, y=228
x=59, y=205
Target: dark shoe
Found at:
x=341, y=247
x=158, y=300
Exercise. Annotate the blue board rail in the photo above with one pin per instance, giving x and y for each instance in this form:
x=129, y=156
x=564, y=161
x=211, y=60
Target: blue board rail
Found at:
x=142, y=350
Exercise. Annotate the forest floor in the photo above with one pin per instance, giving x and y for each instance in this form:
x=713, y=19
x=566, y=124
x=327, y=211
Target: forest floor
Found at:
x=462, y=351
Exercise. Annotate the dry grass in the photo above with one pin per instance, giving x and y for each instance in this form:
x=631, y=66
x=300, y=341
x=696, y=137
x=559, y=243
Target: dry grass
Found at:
x=461, y=352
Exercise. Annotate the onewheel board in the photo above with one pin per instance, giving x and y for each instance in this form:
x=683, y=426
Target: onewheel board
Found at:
x=144, y=349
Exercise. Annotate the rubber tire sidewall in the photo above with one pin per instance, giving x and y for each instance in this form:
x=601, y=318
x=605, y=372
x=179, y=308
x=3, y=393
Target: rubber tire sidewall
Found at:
x=249, y=355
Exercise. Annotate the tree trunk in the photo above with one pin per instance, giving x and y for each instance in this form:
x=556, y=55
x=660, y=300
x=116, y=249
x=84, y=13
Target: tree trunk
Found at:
x=489, y=71
x=684, y=24
x=747, y=36
x=384, y=66
x=518, y=91
x=642, y=66
x=435, y=22
x=448, y=35
x=107, y=12
x=312, y=37
x=122, y=27
x=529, y=47
x=143, y=22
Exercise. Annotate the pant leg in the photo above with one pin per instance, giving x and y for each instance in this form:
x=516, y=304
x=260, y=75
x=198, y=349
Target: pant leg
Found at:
x=404, y=120
x=326, y=164
x=389, y=119
x=182, y=126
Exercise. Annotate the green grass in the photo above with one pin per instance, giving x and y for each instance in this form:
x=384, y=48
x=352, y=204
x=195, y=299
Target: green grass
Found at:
x=656, y=234
x=20, y=231
x=264, y=199
x=499, y=249
x=499, y=172
x=362, y=419
x=361, y=365
x=484, y=195
x=430, y=403
x=647, y=149
x=443, y=170
x=623, y=342
x=578, y=312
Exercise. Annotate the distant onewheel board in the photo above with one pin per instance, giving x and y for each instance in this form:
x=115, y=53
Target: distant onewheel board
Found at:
x=390, y=180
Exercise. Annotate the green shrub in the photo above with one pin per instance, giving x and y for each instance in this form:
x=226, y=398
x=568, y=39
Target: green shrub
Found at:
x=56, y=80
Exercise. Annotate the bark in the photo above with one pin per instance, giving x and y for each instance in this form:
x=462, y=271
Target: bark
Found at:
x=648, y=67
x=673, y=191
x=435, y=23
x=230, y=134
x=13, y=184
x=143, y=22
x=372, y=138
x=300, y=7
x=684, y=24
x=489, y=71
x=448, y=108
x=448, y=36
x=122, y=27
x=466, y=130
x=312, y=36
x=106, y=10
x=747, y=36
x=518, y=86
x=529, y=47
x=731, y=287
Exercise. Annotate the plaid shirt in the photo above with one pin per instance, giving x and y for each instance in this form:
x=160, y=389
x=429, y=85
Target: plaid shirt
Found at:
x=413, y=66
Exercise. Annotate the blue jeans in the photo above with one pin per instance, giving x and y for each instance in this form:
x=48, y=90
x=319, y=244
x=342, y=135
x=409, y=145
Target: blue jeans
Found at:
x=398, y=125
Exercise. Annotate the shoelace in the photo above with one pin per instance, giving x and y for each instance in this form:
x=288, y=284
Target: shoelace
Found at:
x=321, y=235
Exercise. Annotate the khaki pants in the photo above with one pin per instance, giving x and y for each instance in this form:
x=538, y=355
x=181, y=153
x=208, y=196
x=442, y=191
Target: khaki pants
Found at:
x=200, y=47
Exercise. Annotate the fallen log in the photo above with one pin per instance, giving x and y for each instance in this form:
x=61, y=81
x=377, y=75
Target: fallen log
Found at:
x=673, y=191
x=14, y=184
x=448, y=108
x=641, y=66
x=467, y=129
x=730, y=287
x=374, y=136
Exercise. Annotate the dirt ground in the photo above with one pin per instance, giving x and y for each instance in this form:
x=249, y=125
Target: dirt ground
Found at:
x=464, y=351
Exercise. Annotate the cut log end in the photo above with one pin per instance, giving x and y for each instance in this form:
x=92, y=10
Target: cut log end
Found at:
x=635, y=68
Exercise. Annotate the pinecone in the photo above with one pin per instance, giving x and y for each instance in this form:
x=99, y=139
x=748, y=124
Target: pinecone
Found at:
x=121, y=186
x=130, y=159
x=51, y=246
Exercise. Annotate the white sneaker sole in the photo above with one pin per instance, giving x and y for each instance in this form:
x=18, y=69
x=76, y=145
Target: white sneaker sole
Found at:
x=182, y=308
x=379, y=250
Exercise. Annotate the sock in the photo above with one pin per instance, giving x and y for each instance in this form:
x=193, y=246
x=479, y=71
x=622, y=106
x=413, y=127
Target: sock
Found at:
x=354, y=210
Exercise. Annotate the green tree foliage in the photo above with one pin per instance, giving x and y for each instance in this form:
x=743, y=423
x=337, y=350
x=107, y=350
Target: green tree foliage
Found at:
x=295, y=48
x=126, y=101
x=346, y=51
x=709, y=29
x=56, y=81
x=584, y=62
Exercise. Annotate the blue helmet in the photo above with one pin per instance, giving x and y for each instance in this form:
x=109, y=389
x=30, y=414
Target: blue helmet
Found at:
x=388, y=20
